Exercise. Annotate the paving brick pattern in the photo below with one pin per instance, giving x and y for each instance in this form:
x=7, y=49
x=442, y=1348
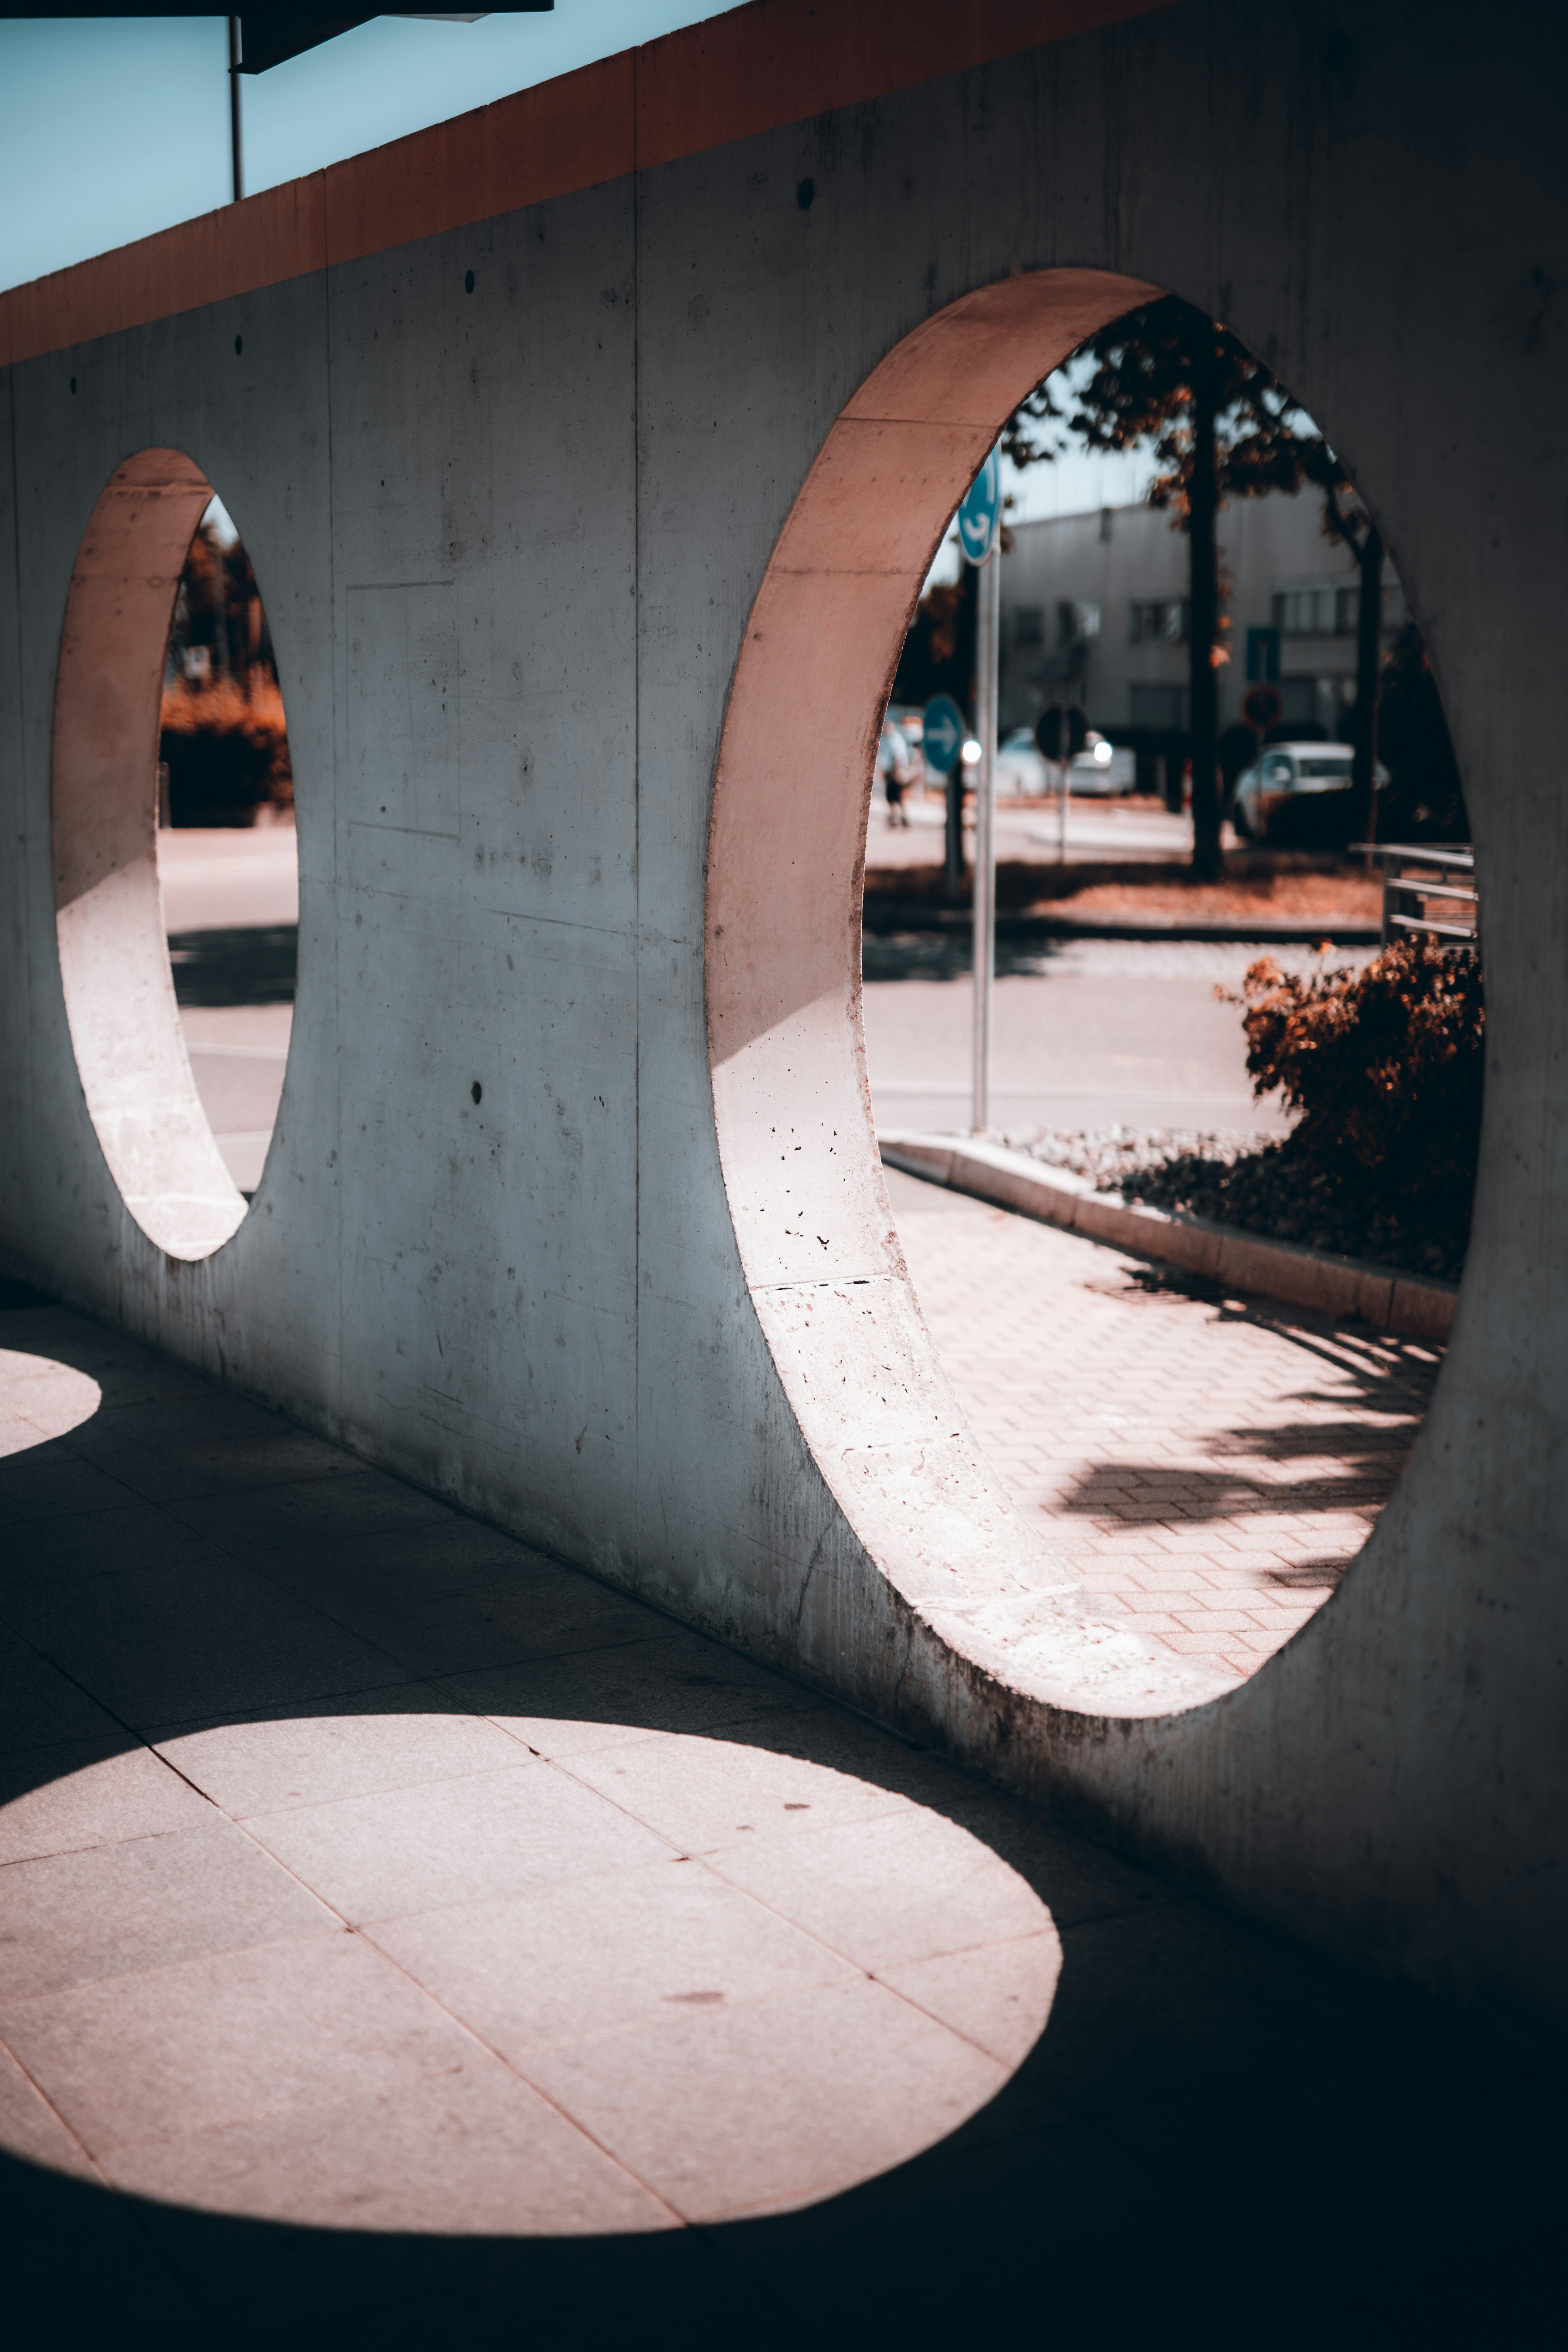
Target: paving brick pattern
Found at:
x=1208, y=1464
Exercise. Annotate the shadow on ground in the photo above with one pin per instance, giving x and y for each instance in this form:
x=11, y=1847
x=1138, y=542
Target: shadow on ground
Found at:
x=253, y=965
x=1216, y=2129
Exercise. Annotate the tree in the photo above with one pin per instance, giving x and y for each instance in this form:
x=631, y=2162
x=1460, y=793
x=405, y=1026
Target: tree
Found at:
x=1425, y=801
x=1352, y=527
x=1222, y=426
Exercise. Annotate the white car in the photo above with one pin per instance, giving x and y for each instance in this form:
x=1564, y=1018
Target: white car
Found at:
x=1102, y=773
x=1297, y=790
x=1098, y=770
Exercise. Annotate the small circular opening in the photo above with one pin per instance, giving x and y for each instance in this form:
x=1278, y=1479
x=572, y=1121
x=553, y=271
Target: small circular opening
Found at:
x=175, y=872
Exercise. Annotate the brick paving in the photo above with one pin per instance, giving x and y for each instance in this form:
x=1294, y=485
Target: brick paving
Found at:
x=1208, y=1464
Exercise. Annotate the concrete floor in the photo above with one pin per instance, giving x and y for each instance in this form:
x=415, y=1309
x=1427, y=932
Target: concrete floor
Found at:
x=410, y=1940
x=1207, y=1465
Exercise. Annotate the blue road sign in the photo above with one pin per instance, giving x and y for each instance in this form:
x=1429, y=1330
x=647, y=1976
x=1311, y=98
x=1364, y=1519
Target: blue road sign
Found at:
x=944, y=734
x=980, y=516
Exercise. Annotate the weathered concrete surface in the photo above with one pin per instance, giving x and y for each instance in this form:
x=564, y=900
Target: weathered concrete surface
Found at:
x=510, y=542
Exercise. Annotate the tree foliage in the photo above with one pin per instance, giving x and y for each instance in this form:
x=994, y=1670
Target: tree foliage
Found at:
x=1221, y=426
x=1384, y=1068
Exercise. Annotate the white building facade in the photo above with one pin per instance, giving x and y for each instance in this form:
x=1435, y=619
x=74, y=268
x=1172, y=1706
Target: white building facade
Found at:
x=1094, y=610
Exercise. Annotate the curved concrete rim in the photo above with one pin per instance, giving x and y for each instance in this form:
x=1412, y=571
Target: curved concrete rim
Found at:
x=792, y=1102
x=108, y=905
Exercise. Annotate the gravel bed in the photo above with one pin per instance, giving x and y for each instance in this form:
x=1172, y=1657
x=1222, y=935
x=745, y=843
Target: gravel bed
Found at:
x=1233, y=1179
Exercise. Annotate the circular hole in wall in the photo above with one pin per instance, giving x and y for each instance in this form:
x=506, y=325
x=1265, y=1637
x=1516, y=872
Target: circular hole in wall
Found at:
x=176, y=874
x=1293, y=1465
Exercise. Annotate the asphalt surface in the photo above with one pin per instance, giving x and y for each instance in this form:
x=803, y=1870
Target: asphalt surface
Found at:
x=1088, y=1033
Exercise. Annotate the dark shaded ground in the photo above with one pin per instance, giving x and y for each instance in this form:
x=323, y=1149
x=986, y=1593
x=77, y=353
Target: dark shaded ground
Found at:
x=247, y=966
x=1217, y=2131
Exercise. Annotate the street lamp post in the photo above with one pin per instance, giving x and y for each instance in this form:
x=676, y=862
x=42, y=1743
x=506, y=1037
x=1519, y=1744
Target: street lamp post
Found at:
x=236, y=58
x=987, y=650
x=979, y=537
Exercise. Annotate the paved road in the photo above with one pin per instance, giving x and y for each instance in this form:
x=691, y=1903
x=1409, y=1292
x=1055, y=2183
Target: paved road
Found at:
x=1088, y=1034
x=1031, y=834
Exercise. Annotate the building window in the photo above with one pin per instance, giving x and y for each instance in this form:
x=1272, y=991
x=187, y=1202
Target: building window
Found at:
x=1326, y=612
x=1077, y=622
x=1161, y=621
x=1028, y=625
x=1158, y=708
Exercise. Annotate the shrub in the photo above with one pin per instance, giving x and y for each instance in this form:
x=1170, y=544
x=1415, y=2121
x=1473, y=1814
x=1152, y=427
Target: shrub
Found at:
x=1384, y=1067
x=227, y=752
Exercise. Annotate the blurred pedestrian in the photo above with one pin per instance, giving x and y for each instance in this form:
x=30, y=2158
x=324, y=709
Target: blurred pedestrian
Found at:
x=895, y=765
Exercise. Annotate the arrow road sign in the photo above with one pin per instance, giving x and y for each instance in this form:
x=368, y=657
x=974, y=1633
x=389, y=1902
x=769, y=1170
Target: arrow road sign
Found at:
x=980, y=516
x=944, y=734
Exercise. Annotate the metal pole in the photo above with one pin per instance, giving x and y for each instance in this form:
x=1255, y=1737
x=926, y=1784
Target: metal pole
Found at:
x=234, y=54
x=987, y=650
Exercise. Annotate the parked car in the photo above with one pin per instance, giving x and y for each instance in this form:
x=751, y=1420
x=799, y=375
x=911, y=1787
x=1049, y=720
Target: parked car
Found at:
x=1100, y=771
x=1298, y=792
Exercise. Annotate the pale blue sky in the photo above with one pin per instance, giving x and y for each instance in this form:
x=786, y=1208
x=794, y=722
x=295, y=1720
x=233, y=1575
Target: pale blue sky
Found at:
x=113, y=127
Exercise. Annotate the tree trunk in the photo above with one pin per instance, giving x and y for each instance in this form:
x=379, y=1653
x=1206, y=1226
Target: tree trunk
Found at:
x=1368, y=649
x=1203, y=506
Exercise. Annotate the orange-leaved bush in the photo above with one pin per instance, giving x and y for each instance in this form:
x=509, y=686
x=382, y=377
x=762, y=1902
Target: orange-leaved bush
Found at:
x=226, y=752
x=1384, y=1067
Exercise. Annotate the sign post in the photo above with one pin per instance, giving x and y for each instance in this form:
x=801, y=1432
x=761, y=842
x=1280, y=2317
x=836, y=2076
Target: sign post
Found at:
x=979, y=532
x=943, y=745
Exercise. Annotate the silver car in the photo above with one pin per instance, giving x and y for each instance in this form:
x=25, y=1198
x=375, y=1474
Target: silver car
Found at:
x=1299, y=790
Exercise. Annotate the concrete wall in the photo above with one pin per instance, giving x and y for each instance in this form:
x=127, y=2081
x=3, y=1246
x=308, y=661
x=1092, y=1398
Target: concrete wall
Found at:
x=586, y=1303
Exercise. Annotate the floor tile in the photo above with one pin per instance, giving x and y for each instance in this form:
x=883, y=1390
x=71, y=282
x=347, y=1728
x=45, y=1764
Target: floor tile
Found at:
x=170, y=1643
x=40, y=1706
x=144, y=1903
x=630, y=1948
x=223, y=1444
x=235, y=2036
x=373, y=1740
x=523, y=1609
x=470, y=2151
x=30, y=2128
x=705, y=1793
x=566, y=1706
x=65, y=1800
x=310, y=1510
x=49, y=1482
x=901, y=1887
x=488, y=1833
x=725, y=2111
x=998, y=1997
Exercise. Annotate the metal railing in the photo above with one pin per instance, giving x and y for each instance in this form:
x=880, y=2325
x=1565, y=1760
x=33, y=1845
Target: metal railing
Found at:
x=1416, y=874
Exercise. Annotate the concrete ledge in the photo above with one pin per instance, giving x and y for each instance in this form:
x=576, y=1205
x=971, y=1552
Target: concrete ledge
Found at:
x=1416, y=1308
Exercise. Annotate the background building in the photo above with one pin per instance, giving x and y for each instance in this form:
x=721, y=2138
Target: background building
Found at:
x=1094, y=610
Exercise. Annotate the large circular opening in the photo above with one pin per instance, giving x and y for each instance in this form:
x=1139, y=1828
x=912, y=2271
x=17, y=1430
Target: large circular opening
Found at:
x=792, y=1095
x=169, y=747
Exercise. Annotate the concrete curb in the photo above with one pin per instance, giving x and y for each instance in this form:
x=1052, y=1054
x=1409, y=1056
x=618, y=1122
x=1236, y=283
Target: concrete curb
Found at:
x=1261, y=932
x=1418, y=1308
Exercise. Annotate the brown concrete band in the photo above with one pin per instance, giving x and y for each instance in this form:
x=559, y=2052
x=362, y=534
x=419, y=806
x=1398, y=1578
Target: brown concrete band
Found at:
x=752, y=69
